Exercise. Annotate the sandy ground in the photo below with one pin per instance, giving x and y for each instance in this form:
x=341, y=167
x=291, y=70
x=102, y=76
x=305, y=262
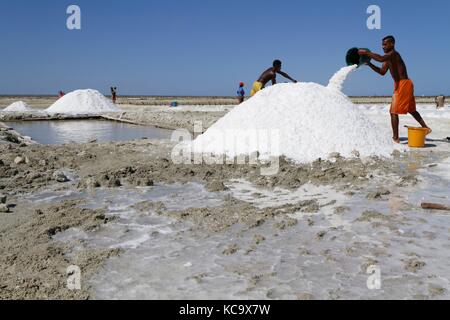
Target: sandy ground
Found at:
x=309, y=232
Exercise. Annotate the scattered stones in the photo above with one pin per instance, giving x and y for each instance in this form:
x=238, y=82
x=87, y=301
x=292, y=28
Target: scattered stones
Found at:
x=114, y=183
x=369, y=216
x=149, y=206
x=60, y=177
x=396, y=154
x=304, y=252
x=90, y=183
x=2, y=198
x=216, y=186
x=356, y=154
x=436, y=291
x=19, y=160
x=2, y=163
x=9, y=137
x=334, y=155
x=34, y=175
x=341, y=210
x=257, y=223
x=320, y=235
x=369, y=263
x=53, y=231
x=409, y=180
x=42, y=163
x=4, y=208
x=305, y=296
x=414, y=265
x=257, y=239
x=309, y=206
x=145, y=182
x=231, y=250
x=101, y=216
x=378, y=194
x=287, y=223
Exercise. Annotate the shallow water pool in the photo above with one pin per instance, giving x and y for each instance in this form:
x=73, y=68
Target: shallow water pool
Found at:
x=82, y=131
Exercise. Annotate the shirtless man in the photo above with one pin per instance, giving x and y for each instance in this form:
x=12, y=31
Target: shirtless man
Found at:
x=403, y=101
x=269, y=74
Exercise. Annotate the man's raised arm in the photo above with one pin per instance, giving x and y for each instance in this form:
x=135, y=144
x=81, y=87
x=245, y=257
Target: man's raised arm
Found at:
x=287, y=76
x=374, y=56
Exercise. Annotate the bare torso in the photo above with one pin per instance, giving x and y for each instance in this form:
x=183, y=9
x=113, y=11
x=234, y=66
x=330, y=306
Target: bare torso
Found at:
x=397, y=67
x=267, y=76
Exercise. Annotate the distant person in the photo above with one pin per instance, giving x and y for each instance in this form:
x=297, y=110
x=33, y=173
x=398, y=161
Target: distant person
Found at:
x=61, y=94
x=268, y=75
x=440, y=102
x=241, y=93
x=114, y=94
x=403, y=101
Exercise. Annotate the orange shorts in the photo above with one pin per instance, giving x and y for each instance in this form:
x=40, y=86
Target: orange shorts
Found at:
x=403, y=101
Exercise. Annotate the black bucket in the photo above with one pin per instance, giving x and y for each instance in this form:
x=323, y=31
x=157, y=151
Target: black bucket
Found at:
x=353, y=57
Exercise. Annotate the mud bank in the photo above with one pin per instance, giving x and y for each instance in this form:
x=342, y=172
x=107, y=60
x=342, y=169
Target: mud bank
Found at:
x=36, y=116
x=10, y=136
x=169, y=118
x=33, y=266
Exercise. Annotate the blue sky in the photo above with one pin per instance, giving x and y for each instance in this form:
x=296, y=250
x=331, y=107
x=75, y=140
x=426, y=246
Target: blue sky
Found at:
x=205, y=47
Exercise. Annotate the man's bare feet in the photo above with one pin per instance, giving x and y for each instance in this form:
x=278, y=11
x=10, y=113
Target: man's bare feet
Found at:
x=396, y=140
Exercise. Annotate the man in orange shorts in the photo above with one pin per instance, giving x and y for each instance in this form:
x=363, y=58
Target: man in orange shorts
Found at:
x=403, y=101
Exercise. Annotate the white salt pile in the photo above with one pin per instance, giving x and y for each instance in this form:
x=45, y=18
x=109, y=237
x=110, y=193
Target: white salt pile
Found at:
x=303, y=121
x=83, y=102
x=18, y=106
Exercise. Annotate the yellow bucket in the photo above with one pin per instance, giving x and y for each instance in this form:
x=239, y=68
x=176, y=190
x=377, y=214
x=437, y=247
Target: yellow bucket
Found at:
x=417, y=137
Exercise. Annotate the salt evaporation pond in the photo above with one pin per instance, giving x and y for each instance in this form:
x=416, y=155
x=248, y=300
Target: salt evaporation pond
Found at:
x=82, y=131
x=164, y=258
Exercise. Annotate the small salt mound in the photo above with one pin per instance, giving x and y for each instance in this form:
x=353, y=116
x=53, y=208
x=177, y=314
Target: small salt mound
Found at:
x=18, y=106
x=82, y=102
x=303, y=121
